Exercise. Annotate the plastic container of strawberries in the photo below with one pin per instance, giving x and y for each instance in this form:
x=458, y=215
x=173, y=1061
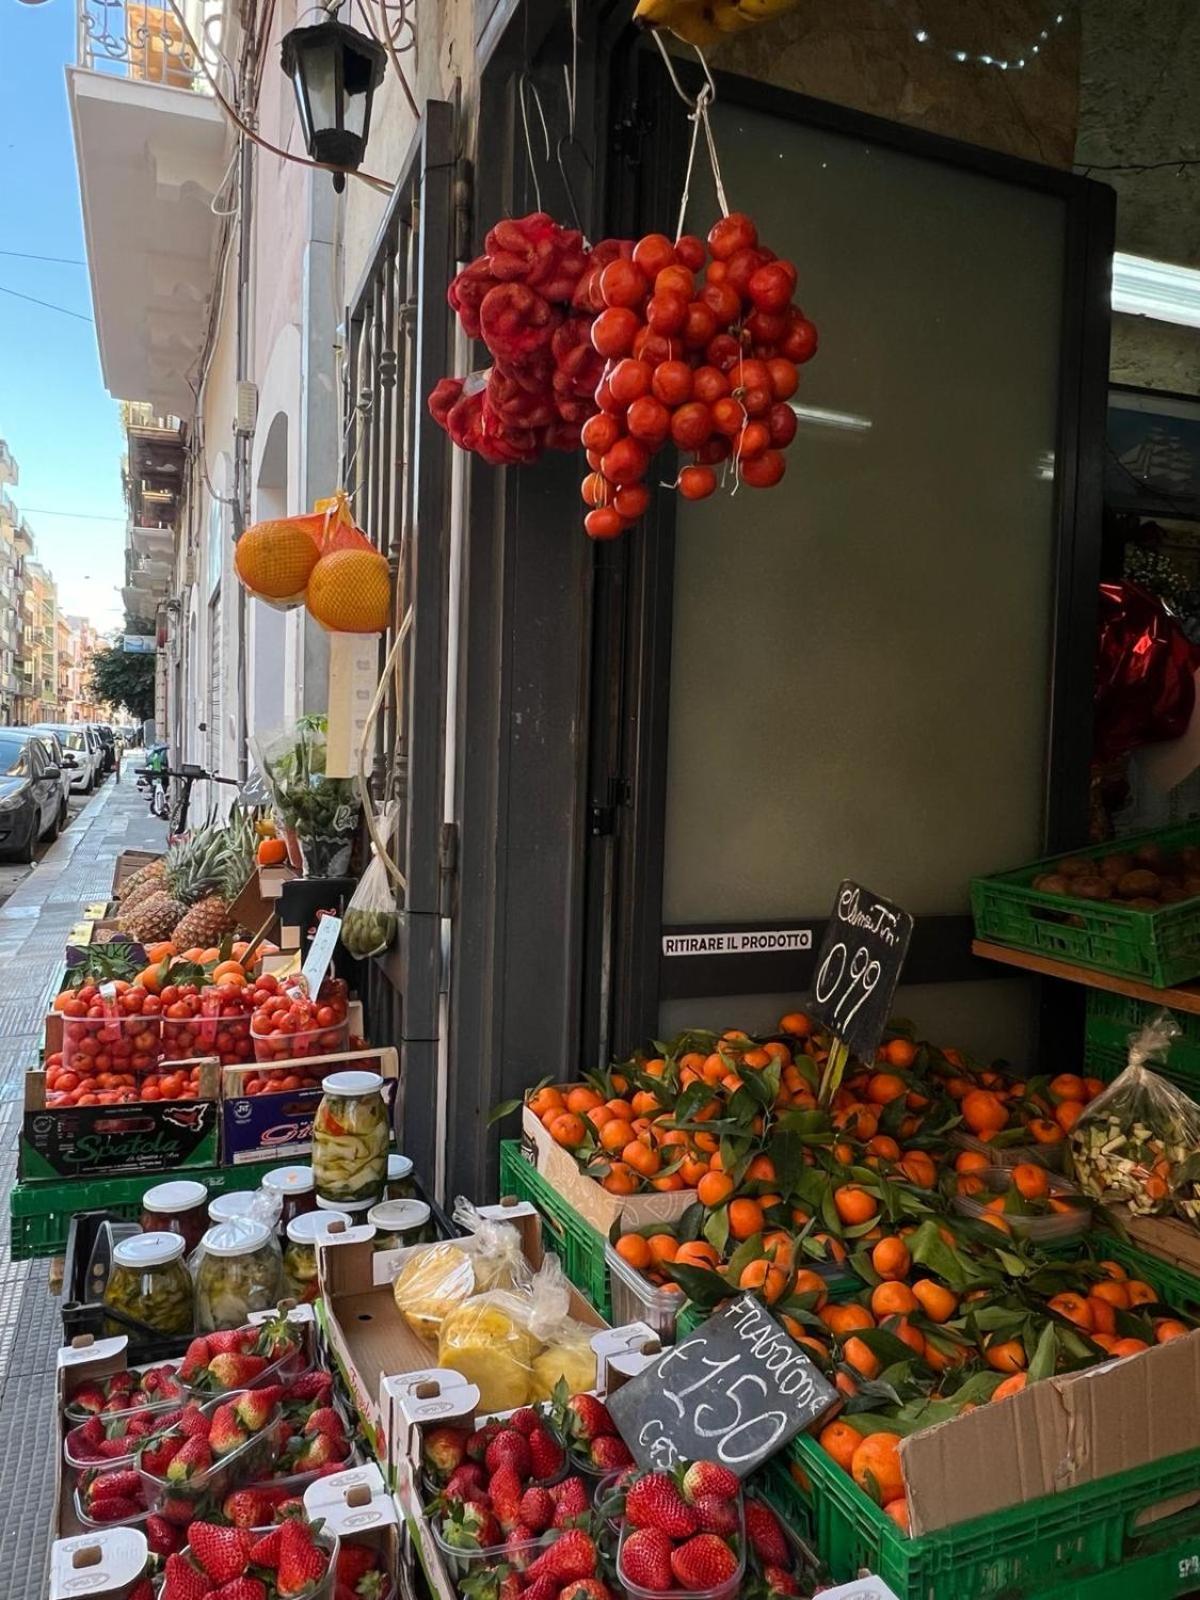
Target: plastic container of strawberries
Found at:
x=724, y=1591
x=123, y=1522
x=286, y=1368
x=462, y=1564
x=327, y=1540
x=74, y=1413
x=81, y=1464
x=228, y=1472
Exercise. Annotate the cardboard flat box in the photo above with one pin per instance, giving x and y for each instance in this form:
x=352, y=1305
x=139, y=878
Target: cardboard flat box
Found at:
x=129, y=862
x=278, y=1126
x=1055, y=1435
x=109, y=1141
x=585, y=1195
x=368, y=1339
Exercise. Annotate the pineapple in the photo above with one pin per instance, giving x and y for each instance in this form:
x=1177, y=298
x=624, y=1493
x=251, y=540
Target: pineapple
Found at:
x=152, y=876
x=152, y=918
x=204, y=925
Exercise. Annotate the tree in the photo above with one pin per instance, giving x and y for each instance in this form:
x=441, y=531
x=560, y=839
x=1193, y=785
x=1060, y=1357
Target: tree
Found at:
x=124, y=680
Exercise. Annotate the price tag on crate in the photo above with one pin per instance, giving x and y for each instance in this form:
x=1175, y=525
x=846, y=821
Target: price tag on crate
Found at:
x=734, y=1391
x=320, y=952
x=857, y=969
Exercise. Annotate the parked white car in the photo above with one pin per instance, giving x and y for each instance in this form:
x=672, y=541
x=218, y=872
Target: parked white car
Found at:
x=81, y=752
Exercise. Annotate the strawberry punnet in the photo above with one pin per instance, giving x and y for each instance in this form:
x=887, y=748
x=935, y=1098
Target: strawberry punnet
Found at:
x=654, y=1501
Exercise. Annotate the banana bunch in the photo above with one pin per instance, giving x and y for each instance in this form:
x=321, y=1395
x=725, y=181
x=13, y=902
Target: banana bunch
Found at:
x=707, y=22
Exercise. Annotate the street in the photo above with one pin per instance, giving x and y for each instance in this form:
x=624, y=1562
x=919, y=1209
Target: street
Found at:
x=40, y=905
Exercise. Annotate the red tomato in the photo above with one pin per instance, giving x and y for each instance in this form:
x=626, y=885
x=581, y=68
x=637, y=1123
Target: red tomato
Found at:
x=723, y=301
x=709, y=384
x=781, y=425
x=730, y=234
x=690, y=251
x=613, y=331
x=600, y=433
x=666, y=313
x=604, y=524
x=652, y=253
x=691, y=425
x=700, y=326
x=784, y=377
x=764, y=471
x=672, y=383
x=648, y=420
x=623, y=284
x=697, y=483
x=771, y=287
x=629, y=379
x=626, y=462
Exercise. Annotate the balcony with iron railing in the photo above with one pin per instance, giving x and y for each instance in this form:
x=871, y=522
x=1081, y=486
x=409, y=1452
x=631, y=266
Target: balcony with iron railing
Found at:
x=153, y=44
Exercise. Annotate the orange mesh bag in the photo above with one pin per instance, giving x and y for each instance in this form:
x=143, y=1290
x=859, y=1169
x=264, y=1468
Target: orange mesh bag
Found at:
x=321, y=558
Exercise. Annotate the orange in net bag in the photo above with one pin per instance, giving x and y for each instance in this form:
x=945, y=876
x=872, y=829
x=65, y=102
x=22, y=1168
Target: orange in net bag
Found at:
x=321, y=558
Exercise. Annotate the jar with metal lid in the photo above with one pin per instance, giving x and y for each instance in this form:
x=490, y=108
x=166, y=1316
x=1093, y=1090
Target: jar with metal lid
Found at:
x=239, y=1271
x=300, y=1252
x=295, y=1189
x=398, y=1223
x=176, y=1208
x=225, y=1207
x=350, y=1141
x=150, y=1284
x=400, y=1184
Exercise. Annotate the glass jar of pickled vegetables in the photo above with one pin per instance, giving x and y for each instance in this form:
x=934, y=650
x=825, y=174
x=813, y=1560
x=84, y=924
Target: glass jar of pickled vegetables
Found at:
x=398, y=1223
x=224, y=1207
x=176, y=1208
x=300, y=1252
x=150, y=1284
x=295, y=1189
x=350, y=1141
x=399, y=1178
x=239, y=1271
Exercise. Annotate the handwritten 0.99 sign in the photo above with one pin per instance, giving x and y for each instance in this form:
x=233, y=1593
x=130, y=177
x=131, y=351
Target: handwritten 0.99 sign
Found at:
x=735, y=1391
x=858, y=967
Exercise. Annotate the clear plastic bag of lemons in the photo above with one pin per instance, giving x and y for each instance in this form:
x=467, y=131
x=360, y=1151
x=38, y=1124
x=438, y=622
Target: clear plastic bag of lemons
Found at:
x=516, y=1347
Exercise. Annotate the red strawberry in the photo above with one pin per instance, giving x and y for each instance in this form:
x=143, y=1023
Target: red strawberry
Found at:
x=478, y=1443
x=537, y=1509
x=177, y=1508
x=545, y=1588
x=586, y=1589
x=571, y=1500
x=290, y=1508
x=609, y=1453
x=232, y=1341
x=144, y=1590
x=466, y=1482
x=470, y=1527
x=88, y=1397
x=509, y=1449
x=326, y=1420
x=162, y=1538
x=545, y=1454
x=704, y=1562
x=157, y=1456
x=715, y=1515
x=266, y=1552
x=588, y=1418
x=779, y=1582
x=115, y=1508
x=311, y=1386
x=645, y=1560
x=504, y=1489
x=193, y=1422
x=126, y=1483
x=654, y=1501
x=517, y=1552
x=319, y=1451
x=709, y=1477
x=194, y=1458
x=91, y=1431
x=113, y=1449
x=247, y=1508
x=443, y=1450
x=197, y=1355
x=572, y=1556
x=184, y=1581
x=301, y=1564
x=525, y=1420
x=226, y=1433
x=354, y=1562
x=255, y=1406
x=766, y=1535
x=241, y=1589
x=234, y=1371
x=221, y=1552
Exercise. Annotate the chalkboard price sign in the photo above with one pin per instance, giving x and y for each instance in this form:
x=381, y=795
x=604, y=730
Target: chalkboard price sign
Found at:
x=736, y=1391
x=858, y=967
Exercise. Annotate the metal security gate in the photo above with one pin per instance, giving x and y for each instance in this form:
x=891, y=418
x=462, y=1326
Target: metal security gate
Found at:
x=397, y=473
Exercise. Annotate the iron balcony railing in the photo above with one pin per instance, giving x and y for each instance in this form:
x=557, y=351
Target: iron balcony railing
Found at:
x=151, y=43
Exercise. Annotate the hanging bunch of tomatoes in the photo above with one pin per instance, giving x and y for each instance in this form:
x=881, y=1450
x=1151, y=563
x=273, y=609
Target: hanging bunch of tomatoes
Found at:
x=702, y=345
x=627, y=347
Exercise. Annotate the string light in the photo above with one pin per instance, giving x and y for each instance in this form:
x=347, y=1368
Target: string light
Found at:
x=983, y=58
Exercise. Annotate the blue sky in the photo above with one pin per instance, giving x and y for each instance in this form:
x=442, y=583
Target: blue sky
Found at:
x=55, y=413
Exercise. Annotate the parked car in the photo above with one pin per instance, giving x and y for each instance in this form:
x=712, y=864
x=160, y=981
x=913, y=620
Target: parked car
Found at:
x=59, y=757
x=81, y=751
x=108, y=746
x=31, y=799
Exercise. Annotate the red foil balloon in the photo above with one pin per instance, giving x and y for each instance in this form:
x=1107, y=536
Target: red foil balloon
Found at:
x=1145, y=684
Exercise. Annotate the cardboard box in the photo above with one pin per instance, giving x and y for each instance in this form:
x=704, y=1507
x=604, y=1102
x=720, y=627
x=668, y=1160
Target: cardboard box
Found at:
x=108, y=1141
x=1056, y=1435
x=594, y=1203
x=103, y=1564
x=367, y=1338
x=278, y=1127
x=84, y=1360
x=356, y=1505
x=129, y=862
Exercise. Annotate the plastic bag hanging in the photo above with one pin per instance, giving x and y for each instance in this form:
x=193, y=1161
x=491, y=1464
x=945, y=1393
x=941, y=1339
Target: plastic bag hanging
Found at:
x=370, y=921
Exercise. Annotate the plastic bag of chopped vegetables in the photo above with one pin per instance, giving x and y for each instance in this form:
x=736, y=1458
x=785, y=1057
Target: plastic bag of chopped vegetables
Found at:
x=1131, y=1143
x=369, y=922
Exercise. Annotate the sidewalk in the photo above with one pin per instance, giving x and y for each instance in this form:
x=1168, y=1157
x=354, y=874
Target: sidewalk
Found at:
x=34, y=924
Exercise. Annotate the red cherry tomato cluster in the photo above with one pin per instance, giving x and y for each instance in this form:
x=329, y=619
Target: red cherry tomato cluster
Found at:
x=288, y=1023
x=209, y=1021
x=110, y=1030
x=85, y=1083
x=531, y=299
x=273, y=1082
x=702, y=345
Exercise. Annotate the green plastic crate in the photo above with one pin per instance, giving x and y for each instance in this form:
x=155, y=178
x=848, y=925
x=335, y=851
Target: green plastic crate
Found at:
x=1079, y=1545
x=41, y=1212
x=1158, y=947
x=1113, y=1018
x=575, y=1242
